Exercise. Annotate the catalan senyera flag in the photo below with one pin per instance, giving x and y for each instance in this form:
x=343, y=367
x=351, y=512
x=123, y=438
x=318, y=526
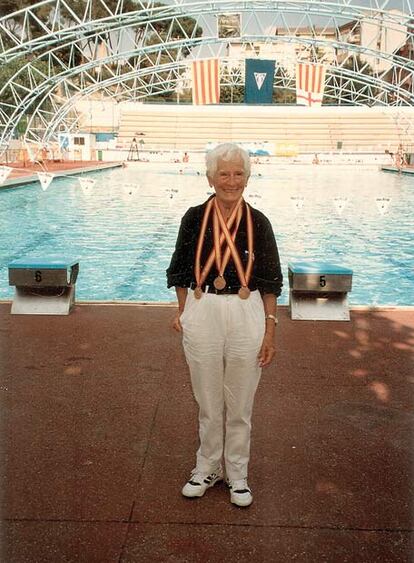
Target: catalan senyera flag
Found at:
x=258, y=88
x=310, y=84
x=206, y=85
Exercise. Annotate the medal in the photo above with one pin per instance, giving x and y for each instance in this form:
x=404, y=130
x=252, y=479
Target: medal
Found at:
x=219, y=282
x=198, y=293
x=244, y=292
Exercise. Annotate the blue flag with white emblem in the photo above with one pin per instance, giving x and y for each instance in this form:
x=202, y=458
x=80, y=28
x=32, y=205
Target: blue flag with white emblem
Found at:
x=258, y=88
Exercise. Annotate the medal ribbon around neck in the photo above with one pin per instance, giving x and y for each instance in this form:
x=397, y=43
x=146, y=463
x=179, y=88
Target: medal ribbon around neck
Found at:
x=221, y=264
x=202, y=275
x=244, y=275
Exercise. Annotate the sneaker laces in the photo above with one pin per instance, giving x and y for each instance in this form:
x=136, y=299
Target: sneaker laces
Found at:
x=199, y=478
x=196, y=479
x=239, y=486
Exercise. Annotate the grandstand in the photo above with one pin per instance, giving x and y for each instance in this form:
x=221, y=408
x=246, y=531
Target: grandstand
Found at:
x=329, y=128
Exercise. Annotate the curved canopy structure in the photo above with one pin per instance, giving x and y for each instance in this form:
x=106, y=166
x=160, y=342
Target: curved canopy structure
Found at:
x=56, y=52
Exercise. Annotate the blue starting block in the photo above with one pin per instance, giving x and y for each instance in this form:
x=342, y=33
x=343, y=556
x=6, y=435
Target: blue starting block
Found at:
x=319, y=291
x=44, y=285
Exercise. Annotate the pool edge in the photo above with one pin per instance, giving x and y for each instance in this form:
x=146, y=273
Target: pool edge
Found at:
x=172, y=304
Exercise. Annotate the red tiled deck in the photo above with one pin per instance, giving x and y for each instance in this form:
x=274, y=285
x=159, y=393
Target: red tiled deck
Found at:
x=27, y=171
x=21, y=168
x=99, y=434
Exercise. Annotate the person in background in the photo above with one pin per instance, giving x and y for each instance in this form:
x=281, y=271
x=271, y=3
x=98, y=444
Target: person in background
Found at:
x=227, y=276
x=400, y=158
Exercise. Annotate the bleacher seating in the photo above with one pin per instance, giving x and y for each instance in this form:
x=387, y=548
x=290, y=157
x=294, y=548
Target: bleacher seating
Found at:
x=170, y=126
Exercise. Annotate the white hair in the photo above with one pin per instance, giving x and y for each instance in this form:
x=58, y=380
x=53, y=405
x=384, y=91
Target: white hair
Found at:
x=226, y=151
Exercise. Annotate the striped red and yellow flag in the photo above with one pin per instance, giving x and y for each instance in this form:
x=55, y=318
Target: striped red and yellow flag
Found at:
x=310, y=84
x=206, y=87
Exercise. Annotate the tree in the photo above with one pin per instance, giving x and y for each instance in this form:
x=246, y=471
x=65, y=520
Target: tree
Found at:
x=163, y=29
x=8, y=71
x=281, y=94
x=97, y=9
x=230, y=92
x=352, y=86
x=16, y=23
x=8, y=7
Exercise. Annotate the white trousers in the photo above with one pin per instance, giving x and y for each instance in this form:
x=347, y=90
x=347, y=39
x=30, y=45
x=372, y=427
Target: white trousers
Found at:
x=222, y=336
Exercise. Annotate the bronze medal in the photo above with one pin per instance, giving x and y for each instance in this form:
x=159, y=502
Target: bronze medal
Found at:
x=219, y=282
x=198, y=293
x=244, y=292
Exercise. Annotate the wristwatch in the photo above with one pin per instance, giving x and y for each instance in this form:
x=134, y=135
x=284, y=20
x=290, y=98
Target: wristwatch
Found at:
x=272, y=317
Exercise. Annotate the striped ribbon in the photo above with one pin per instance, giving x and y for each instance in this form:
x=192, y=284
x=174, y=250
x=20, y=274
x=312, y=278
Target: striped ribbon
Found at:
x=202, y=275
x=220, y=236
x=244, y=275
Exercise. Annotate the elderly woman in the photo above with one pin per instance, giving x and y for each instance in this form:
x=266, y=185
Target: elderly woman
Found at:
x=227, y=277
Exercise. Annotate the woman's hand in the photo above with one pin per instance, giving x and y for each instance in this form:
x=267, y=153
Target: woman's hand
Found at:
x=181, y=298
x=176, y=323
x=267, y=351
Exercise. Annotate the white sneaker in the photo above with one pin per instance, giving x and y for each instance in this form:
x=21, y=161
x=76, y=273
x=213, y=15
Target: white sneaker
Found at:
x=240, y=493
x=198, y=483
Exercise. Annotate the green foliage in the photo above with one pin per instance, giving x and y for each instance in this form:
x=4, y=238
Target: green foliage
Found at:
x=8, y=7
x=358, y=66
x=160, y=98
x=162, y=29
x=7, y=71
x=34, y=29
x=282, y=95
x=98, y=11
x=230, y=93
x=187, y=27
x=22, y=126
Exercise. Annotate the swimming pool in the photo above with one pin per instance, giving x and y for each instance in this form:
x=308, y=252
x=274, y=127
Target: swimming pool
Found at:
x=123, y=230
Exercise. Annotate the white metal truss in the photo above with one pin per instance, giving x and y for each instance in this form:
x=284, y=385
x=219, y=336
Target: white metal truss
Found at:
x=59, y=51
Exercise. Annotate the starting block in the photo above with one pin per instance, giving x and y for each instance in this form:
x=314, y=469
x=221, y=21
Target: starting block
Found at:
x=44, y=285
x=319, y=291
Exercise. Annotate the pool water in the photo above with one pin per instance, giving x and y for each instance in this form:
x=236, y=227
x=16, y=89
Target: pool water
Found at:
x=123, y=229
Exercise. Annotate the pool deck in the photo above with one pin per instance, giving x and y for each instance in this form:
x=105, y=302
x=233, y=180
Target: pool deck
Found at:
x=407, y=170
x=25, y=173
x=99, y=434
